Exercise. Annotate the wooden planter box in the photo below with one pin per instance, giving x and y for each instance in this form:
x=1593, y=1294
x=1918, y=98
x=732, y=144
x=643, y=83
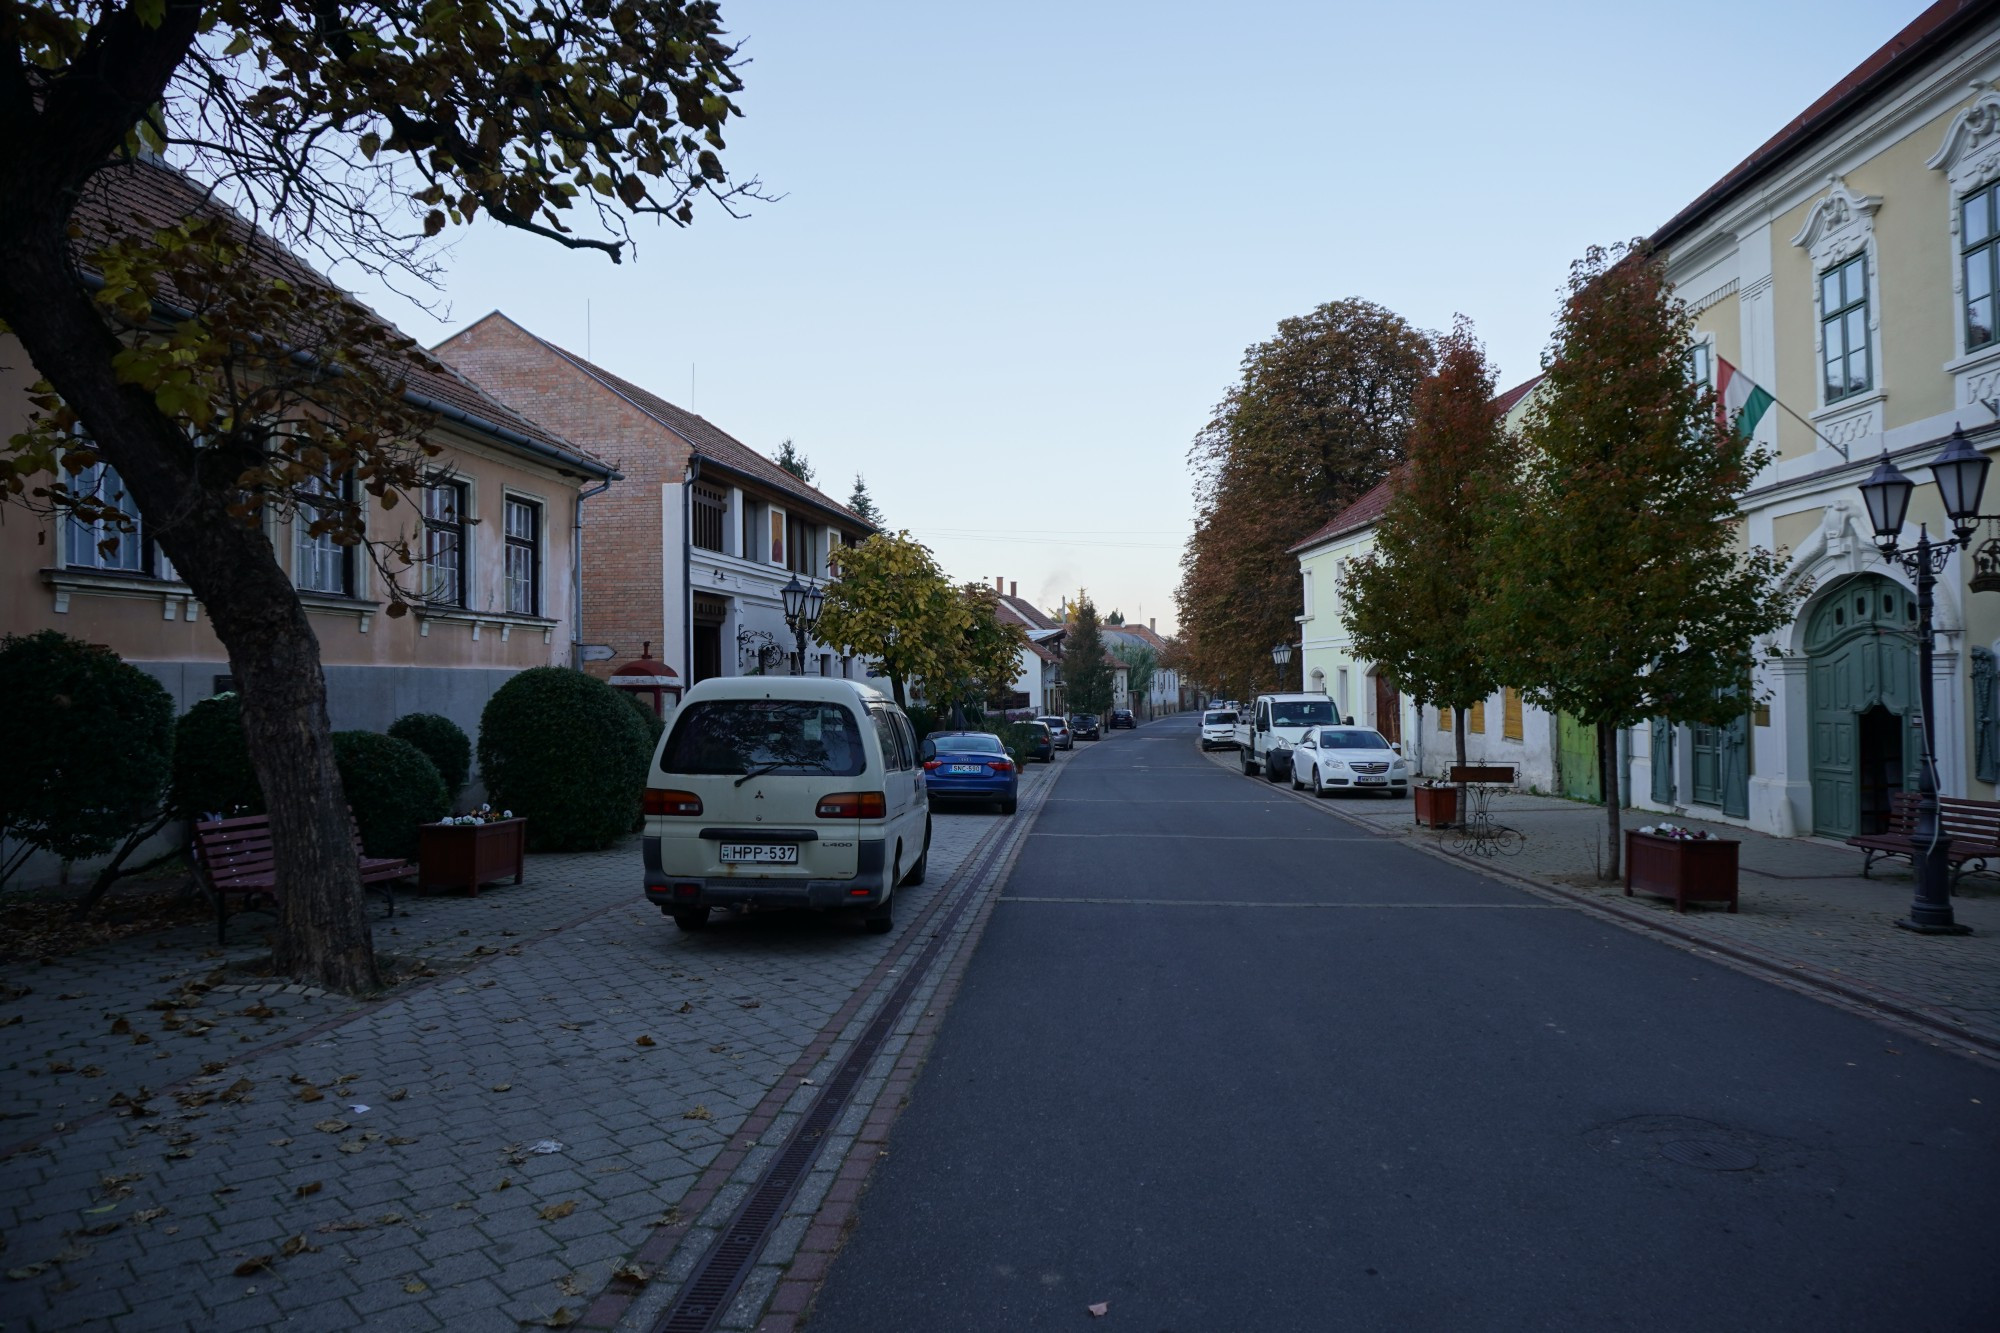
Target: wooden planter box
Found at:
x=464, y=856
x=1437, y=807
x=1684, y=869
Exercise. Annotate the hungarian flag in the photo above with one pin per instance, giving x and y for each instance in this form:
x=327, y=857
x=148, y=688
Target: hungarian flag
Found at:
x=1739, y=399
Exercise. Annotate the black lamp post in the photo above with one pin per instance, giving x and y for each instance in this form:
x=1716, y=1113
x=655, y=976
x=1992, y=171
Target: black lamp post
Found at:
x=1281, y=656
x=1960, y=473
x=802, y=608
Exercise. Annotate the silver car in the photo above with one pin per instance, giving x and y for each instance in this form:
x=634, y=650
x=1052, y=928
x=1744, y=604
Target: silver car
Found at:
x=1059, y=729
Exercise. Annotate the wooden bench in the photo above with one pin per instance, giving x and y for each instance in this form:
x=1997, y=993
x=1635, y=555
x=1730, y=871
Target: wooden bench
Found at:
x=235, y=856
x=1973, y=827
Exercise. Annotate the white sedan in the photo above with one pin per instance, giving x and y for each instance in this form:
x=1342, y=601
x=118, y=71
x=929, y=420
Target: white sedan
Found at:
x=1331, y=759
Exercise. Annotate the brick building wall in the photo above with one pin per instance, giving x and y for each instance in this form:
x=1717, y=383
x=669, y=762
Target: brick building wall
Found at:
x=623, y=557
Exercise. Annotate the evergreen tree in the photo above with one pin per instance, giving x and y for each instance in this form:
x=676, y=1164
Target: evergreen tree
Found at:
x=791, y=460
x=1616, y=588
x=1089, y=678
x=863, y=503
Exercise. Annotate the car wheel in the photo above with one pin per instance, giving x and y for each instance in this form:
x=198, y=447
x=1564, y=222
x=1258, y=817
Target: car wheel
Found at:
x=1295, y=776
x=1007, y=806
x=916, y=875
x=1270, y=770
x=691, y=918
x=1249, y=765
x=881, y=920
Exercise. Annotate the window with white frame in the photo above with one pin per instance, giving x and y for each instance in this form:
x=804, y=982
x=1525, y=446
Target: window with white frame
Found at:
x=1979, y=246
x=104, y=543
x=445, y=563
x=319, y=563
x=1701, y=365
x=524, y=557
x=1843, y=322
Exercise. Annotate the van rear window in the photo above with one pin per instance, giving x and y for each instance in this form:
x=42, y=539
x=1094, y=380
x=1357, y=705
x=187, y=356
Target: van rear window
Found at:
x=732, y=736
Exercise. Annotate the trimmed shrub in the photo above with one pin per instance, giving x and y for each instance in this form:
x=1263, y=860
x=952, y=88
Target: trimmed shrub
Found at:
x=88, y=742
x=443, y=742
x=656, y=726
x=212, y=772
x=392, y=787
x=562, y=749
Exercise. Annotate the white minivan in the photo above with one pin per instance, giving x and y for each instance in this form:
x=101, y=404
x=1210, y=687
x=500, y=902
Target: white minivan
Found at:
x=784, y=791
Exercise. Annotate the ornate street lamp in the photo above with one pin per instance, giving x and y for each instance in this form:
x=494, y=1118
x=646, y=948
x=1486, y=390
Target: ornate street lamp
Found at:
x=802, y=608
x=1281, y=656
x=1960, y=473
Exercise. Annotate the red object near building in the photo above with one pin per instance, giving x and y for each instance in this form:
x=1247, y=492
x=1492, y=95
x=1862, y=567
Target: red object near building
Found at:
x=651, y=680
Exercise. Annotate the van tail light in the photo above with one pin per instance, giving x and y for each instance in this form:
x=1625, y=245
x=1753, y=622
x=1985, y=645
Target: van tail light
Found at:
x=854, y=805
x=1001, y=765
x=672, y=802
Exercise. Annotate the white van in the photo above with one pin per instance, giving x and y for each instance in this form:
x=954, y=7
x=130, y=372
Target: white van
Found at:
x=785, y=791
x=1266, y=733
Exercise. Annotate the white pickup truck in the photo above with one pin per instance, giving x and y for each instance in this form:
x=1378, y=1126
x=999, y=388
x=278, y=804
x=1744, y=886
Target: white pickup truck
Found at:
x=1268, y=729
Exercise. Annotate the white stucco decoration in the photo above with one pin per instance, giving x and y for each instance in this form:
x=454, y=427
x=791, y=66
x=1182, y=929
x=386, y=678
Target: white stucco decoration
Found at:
x=1839, y=226
x=1969, y=157
x=1970, y=154
x=1839, y=548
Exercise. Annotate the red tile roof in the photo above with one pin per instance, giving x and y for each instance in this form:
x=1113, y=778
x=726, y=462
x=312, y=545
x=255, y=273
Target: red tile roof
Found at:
x=709, y=440
x=1361, y=514
x=1900, y=56
x=146, y=194
x=1506, y=401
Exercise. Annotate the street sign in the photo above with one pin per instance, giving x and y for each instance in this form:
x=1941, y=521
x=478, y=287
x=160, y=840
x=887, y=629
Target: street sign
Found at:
x=598, y=652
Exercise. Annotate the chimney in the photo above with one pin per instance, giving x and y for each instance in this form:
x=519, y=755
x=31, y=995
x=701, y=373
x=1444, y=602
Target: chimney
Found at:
x=1014, y=589
x=1000, y=583
x=1154, y=624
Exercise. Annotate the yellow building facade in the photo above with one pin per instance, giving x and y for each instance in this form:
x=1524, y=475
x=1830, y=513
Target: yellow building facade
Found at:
x=1850, y=269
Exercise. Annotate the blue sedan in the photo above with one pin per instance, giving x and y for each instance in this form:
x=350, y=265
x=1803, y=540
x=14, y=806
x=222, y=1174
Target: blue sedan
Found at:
x=969, y=766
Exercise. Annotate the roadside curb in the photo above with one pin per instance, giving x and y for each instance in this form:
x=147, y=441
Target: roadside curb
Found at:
x=1877, y=1003
x=629, y=1303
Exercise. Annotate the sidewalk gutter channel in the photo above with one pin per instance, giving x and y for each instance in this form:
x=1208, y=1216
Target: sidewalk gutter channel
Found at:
x=705, y=1297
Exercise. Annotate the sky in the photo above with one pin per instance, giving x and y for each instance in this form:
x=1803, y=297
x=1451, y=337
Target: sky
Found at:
x=1019, y=251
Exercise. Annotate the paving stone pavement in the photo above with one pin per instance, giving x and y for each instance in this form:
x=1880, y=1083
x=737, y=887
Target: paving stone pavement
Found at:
x=189, y=1146
x=1802, y=902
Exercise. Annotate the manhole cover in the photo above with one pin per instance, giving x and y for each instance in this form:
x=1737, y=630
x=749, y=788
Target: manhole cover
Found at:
x=1709, y=1155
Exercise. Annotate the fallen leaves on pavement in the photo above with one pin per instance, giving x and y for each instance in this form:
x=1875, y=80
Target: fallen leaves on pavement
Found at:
x=555, y=1212
x=1099, y=1310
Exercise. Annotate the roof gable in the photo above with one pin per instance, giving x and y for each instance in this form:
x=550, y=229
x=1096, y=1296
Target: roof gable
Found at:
x=708, y=441
x=146, y=194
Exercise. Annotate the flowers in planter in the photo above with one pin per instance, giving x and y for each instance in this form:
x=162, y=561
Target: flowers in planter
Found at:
x=485, y=814
x=1676, y=832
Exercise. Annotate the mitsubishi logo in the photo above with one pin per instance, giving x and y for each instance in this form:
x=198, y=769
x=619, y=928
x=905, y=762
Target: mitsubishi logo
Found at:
x=760, y=793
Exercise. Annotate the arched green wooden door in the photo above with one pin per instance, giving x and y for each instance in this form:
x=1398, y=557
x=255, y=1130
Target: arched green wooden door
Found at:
x=1862, y=656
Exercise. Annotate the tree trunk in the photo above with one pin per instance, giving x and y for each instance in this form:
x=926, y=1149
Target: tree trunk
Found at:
x=1458, y=736
x=323, y=936
x=1607, y=777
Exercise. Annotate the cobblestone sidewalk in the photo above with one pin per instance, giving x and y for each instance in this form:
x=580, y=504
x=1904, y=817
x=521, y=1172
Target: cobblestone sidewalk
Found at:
x=1804, y=905
x=188, y=1147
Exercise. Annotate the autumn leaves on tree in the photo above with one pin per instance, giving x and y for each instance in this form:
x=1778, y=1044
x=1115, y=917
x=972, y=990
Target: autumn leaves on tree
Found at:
x=1319, y=415
x=1592, y=560
x=217, y=388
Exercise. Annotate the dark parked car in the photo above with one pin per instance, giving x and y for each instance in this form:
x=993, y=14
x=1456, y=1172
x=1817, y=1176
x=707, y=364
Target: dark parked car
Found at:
x=1041, y=742
x=969, y=766
x=1122, y=717
x=1084, y=727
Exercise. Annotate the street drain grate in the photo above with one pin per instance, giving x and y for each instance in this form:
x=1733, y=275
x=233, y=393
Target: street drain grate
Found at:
x=1708, y=1155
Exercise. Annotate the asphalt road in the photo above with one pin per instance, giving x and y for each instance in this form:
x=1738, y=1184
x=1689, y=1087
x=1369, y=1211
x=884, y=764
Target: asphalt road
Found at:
x=1226, y=1062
